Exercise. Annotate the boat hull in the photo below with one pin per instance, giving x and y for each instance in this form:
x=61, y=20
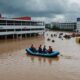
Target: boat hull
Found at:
x=53, y=54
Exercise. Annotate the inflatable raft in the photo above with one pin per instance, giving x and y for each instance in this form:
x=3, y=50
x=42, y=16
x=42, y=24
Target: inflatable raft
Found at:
x=53, y=54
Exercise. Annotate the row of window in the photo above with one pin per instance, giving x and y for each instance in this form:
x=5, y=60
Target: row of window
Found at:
x=33, y=23
x=5, y=30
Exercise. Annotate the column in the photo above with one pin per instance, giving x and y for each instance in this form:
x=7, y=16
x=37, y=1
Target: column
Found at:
x=5, y=36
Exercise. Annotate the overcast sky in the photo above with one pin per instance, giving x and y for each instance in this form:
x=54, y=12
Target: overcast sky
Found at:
x=46, y=10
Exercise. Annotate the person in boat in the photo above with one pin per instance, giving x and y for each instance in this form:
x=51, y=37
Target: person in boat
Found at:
x=40, y=49
x=44, y=49
x=50, y=49
x=33, y=48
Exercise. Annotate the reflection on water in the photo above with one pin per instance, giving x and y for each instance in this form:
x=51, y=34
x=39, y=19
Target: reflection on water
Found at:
x=16, y=64
x=18, y=44
x=42, y=59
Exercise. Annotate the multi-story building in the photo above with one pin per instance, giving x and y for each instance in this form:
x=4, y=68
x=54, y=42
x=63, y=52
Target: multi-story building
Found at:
x=20, y=26
x=64, y=26
x=78, y=25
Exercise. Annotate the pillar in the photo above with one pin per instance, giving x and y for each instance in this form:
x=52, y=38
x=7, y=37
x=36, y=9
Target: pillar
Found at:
x=5, y=36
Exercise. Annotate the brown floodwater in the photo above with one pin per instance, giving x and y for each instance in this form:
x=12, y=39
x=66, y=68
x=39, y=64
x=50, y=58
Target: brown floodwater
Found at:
x=15, y=64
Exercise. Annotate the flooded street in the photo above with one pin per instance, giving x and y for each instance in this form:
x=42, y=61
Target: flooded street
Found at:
x=15, y=64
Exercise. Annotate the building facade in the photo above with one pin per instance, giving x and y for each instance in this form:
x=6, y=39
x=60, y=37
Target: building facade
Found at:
x=70, y=26
x=20, y=26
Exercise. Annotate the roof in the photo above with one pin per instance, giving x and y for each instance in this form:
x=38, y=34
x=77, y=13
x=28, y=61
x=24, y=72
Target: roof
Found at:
x=23, y=18
x=9, y=19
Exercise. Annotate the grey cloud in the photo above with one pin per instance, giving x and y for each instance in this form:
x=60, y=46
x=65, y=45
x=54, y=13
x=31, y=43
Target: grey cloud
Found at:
x=41, y=8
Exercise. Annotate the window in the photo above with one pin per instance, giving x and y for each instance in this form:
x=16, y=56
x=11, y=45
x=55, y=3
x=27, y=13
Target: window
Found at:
x=17, y=29
x=2, y=30
x=17, y=22
x=10, y=22
x=2, y=22
x=29, y=23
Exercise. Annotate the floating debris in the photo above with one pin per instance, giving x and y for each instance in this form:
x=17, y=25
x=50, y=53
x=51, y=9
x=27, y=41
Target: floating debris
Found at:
x=53, y=40
x=67, y=36
x=51, y=35
x=78, y=40
x=59, y=37
x=61, y=34
x=48, y=39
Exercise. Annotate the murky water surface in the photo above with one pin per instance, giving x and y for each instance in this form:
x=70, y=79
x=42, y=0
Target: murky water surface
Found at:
x=15, y=64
